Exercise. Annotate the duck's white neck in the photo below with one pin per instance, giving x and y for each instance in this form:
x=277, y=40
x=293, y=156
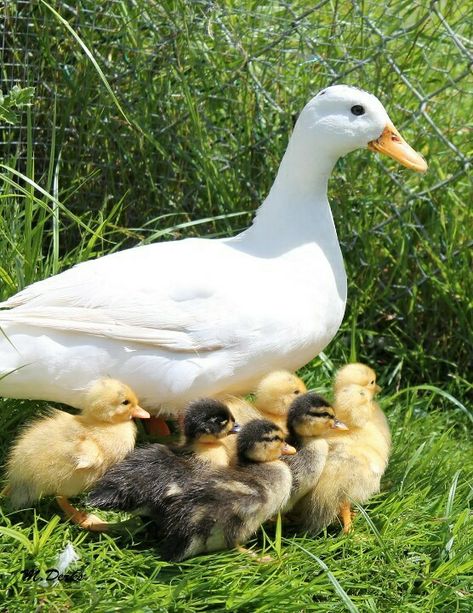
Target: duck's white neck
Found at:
x=296, y=210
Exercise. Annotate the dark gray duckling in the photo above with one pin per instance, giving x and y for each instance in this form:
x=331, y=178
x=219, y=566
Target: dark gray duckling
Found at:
x=206, y=424
x=215, y=507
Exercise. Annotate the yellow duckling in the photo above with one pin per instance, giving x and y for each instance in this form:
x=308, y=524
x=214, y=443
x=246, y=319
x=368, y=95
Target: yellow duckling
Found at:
x=356, y=373
x=357, y=457
x=275, y=394
x=364, y=376
x=63, y=454
x=273, y=397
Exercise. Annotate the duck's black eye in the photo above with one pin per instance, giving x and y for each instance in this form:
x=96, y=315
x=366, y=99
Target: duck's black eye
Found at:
x=372, y=382
x=316, y=414
x=297, y=392
x=357, y=109
x=125, y=402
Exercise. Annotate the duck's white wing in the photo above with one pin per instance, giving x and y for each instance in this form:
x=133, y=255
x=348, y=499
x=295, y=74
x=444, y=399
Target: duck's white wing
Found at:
x=170, y=295
x=112, y=324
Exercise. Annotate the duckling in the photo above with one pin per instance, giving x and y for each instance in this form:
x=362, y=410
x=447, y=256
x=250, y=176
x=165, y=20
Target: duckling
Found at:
x=273, y=396
x=63, y=454
x=207, y=423
x=207, y=508
x=275, y=393
x=356, y=373
x=311, y=422
x=366, y=377
x=356, y=461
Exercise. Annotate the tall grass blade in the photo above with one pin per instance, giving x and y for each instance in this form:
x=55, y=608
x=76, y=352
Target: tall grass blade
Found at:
x=347, y=601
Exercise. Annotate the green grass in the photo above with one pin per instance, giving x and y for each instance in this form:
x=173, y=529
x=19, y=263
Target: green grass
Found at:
x=411, y=550
x=208, y=93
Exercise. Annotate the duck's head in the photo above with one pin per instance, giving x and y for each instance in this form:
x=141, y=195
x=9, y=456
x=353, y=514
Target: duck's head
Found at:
x=112, y=401
x=277, y=390
x=262, y=441
x=207, y=420
x=311, y=415
x=354, y=405
x=340, y=119
x=357, y=373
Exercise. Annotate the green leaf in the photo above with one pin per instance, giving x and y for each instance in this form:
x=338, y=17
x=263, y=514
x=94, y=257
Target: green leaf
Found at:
x=19, y=96
x=7, y=115
x=18, y=536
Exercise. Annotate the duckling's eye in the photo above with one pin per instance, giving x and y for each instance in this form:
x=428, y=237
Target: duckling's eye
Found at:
x=270, y=439
x=125, y=402
x=372, y=382
x=297, y=392
x=357, y=109
x=315, y=414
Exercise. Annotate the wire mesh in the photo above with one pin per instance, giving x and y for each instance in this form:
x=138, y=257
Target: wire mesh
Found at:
x=183, y=70
x=36, y=50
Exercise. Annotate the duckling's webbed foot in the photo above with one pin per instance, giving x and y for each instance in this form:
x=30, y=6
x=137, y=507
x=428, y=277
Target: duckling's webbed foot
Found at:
x=346, y=515
x=255, y=556
x=87, y=521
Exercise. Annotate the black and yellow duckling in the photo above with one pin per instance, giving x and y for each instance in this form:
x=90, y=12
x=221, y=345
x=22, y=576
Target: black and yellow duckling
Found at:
x=207, y=508
x=357, y=458
x=207, y=423
x=311, y=422
x=272, y=399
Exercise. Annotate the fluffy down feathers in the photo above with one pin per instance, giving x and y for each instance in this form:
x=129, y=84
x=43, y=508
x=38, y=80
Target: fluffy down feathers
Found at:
x=64, y=454
x=197, y=507
x=357, y=457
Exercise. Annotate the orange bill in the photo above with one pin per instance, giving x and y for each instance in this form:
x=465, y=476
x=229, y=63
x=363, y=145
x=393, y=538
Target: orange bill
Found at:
x=139, y=412
x=288, y=449
x=391, y=143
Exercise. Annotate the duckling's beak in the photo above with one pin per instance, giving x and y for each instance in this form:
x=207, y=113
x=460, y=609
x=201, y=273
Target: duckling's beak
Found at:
x=139, y=412
x=288, y=449
x=391, y=143
x=236, y=428
x=377, y=389
x=339, y=425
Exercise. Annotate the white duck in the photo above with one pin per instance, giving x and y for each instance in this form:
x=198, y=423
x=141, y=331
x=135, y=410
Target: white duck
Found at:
x=197, y=317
